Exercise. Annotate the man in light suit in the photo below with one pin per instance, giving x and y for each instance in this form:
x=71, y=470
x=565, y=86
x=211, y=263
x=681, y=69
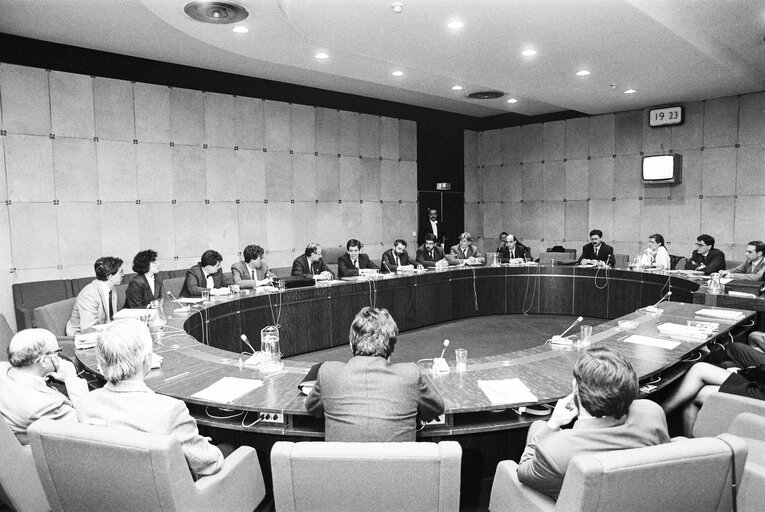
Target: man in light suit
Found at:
x=24, y=395
x=753, y=268
x=597, y=252
x=368, y=399
x=429, y=254
x=397, y=257
x=207, y=275
x=349, y=264
x=465, y=253
x=607, y=418
x=124, y=353
x=310, y=263
x=97, y=302
x=253, y=271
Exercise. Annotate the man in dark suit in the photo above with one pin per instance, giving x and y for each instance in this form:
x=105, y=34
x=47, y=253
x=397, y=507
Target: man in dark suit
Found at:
x=397, y=257
x=429, y=254
x=310, y=263
x=207, y=275
x=597, y=252
x=706, y=258
x=349, y=264
x=368, y=399
x=510, y=248
x=431, y=225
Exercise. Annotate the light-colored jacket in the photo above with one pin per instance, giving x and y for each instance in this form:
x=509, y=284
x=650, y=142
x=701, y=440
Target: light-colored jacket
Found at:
x=91, y=308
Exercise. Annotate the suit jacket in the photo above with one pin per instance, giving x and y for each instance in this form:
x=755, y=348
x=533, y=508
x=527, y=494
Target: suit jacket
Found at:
x=456, y=255
x=131, y=405
x=520, y=252
x=545, y=460
x=605, y=253
x=91, y=308
x=426, y=227
x=748, y=271
x=301, y=266
x=138, y=294
x=368, y=399
x=345, y=267
x=389, y=261
x=25, y=399
x=424, y=259
x=243, y=277
x=196, y=281
x=713, y=261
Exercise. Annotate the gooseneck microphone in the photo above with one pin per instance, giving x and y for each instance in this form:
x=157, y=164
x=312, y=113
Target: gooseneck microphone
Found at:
x=654, y=308
x=577, y=321
x=182, y=305
x=386, y=265
x=666, y=296
x=247, y=342
x=446, y=344
x=439, y=363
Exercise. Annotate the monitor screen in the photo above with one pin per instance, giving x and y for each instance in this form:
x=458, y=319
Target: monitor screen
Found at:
x=662, y=168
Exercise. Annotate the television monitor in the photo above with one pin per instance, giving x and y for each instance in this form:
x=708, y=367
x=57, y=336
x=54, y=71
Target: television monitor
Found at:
x=663, y=169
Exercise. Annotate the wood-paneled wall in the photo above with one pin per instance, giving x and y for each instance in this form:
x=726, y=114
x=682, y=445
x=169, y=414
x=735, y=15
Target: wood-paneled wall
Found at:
x=551, y=183
x=94, y=166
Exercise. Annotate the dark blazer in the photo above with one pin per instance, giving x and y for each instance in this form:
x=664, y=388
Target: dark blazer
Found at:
x=605, y=253
x=389, y=261
x=424, y=259
x=138, y=294
x=396, y=394
x=520, y=251
x=196, y=281
x=713, y=261
x=301, y=266
x=426, y=228
x=346, y=268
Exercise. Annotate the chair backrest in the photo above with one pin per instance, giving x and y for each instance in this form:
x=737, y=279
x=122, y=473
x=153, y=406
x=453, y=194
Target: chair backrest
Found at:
x=18, y=475
x=120, y=290
x=677, y=262
x=27, y=296
x=89, y=468
x=621, y=260
x=334, y=477
x=720, y=409
x=54, y=316
x=5, y=337
x=174, y=285
x=545, y=258
x=750, y=426
x=689, y=474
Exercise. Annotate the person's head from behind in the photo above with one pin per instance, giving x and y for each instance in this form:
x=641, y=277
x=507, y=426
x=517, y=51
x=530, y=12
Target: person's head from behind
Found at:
x=253, y=255
x=373, y=333
x=605, y=383
x=704, y=243
x=313, y=252
x=210, y=261
x=32, y=347
x=124, y=350
x=430, y=241
x=146, y=262
x=109, y=269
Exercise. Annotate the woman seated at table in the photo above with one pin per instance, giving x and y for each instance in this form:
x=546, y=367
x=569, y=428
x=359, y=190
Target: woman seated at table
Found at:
x=656, y=255
x=146, y=285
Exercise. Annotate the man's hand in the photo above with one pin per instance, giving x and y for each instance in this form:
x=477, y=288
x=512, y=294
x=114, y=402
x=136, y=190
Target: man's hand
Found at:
x=565, y=411
x=65, y=370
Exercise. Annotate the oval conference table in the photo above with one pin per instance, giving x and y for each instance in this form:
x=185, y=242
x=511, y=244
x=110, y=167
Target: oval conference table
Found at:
x=203, y=346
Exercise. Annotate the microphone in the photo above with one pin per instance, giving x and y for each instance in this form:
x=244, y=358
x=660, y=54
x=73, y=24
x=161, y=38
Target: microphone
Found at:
x=654, y=308
x=247, y=342
x=386, y=266
x=446, y=344
x=252, y=360
x=439, y=363
x=184, y=308
x=559, y=338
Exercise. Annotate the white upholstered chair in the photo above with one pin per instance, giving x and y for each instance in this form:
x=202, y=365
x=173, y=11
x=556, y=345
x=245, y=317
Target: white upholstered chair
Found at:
x=89, y=468
x=719, y=410
x=21, y=487
x=336, y=477
x=688, y=474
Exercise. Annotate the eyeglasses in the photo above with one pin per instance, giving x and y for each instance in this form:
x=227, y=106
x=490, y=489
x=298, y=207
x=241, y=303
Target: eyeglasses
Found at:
x=56, y=352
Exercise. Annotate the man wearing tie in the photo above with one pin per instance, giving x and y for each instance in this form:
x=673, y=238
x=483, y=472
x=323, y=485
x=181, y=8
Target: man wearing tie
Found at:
x=753, y=268
x=429, y=254
x=597, y=252
x=310, y=263
x=97, y=302
x=706, y=258
x=510, y=248
x=397, y=257
x=349, y=264
x=431, y=225
x=207, y=275
x=253, y=271
x=465, y=252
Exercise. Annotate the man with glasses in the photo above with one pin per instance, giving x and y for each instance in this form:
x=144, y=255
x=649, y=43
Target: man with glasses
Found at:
x=597, y=252
x=24, y=395
x=754, y=267
x=207, y=275
x=97, y=302
x=706, y=258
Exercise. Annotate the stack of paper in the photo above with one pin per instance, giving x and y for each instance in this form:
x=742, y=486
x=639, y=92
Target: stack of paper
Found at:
x=82, y=341
x=731, y=315
x=639, y=339
x=682, y=331
x=227, y=389
x=506, y=391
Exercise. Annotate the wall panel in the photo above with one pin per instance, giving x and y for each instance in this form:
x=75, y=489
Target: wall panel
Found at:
x=249, y=126
x=113, y=109
x=34, y=240
x=116, y=171
x=152, y=113
x=302, y=129
x=219, y=120
x=75, y=170
x=71, y=105
x=25, y=100
x=29, y=167
x=154, y=172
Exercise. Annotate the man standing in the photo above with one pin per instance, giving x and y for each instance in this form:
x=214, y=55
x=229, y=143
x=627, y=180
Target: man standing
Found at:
x=207, y=275
x=253, y=271
x=429, y=254
x=607, y=418
x=597, y=252
x=754, y=266
x=310, y=263
x=706, y=258
x=397, y=257
x=97, y=302
x=349, y=264
x=431, y=225
x=510, y=248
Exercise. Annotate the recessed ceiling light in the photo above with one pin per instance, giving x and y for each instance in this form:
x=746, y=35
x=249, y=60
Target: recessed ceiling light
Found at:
x=321, y=56
x=456, y=87
x=455, y=24
x=240, y=29
x=398, y=73
x=528, y=53
x=512, y=100
x=630, y=91
x=583, y=72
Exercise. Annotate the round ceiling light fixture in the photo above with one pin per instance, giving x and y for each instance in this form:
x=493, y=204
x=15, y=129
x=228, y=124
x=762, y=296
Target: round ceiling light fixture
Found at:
x=217, y=13
x=485, y=95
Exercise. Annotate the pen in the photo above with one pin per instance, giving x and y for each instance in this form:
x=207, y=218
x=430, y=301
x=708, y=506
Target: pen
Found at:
x=176, y=376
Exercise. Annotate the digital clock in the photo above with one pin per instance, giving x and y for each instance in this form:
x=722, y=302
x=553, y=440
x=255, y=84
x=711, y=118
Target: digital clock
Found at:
x=666, y=116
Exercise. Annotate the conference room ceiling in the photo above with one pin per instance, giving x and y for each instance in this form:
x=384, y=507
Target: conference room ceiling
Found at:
x=668, y=51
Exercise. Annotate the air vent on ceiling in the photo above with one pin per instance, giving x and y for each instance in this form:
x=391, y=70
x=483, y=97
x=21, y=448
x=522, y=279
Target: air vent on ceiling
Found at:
x=486, y=95
x=219, y=13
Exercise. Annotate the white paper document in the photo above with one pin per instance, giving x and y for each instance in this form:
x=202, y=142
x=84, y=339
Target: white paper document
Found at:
x=651, y=342
x=227, y=389
x=137, y=313
x=723, y=314
x=190, y=300
x=506, y=391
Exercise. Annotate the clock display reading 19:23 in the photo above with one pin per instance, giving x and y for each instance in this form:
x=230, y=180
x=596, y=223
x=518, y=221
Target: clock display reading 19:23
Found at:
x=666, y=116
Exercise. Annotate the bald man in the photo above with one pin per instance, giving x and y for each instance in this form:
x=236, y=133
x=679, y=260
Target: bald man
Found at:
x=24, y=395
